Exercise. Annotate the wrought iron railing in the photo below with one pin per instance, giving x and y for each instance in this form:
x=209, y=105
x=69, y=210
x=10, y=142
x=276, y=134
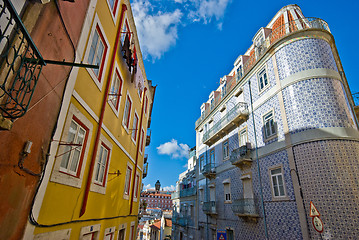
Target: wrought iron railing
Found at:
x=239, y=108
x=209, y=207
x=192, y=153
x=188, y=192
x=356, y=98
x=245, y=207
x=208, y=168
x=239, y=153
x=20, y=63
x=276, y=34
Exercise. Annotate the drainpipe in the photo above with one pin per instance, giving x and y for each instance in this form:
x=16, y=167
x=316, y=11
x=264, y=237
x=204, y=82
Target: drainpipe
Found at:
x=259, y=171
x=103, y=107
x=138, y=147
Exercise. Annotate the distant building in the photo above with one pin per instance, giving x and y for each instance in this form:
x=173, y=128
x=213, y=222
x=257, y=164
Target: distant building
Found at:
x=278, y=134
x=157, y=199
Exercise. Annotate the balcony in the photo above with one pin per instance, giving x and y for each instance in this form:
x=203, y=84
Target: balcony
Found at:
x=145, y=169
x=145, y=158
x=20, y=65
x=356, y=103
x=276, y=35
x=245, y=208
x=209, y=170
x=181, y=220
x=236, y=116
x=241, y=156
x=148, y=138
x=209, y=208
x=188, y=192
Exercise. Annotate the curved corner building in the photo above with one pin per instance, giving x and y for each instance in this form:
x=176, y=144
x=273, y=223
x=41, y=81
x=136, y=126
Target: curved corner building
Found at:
x=279, y=133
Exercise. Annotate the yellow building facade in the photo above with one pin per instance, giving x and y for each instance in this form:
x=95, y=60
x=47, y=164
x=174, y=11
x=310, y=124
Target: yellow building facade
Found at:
x=91, y=186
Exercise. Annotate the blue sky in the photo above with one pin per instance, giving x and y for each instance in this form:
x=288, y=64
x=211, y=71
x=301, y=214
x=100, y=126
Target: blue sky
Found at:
x=188, y=45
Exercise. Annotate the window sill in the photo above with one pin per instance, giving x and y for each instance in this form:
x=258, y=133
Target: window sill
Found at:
x=228, y=201
x=270, y=138
x=278, y=199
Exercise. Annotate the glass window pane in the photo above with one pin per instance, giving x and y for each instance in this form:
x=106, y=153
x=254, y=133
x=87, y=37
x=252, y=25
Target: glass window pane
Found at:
x=281, y=190
x=75, y=160
x=97, y=171
x=66, y=157
x=276, y=171
x=276, y=193
x=274, y=178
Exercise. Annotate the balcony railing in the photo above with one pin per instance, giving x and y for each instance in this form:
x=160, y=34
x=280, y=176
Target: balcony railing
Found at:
x=188, y=192
x=145, y=170
x=237, y=115
x=148, y=138
x=209, y=208
x=276, y=35
x=20, y=63
x=245, y=207
x=209, y=170
x=241, y=156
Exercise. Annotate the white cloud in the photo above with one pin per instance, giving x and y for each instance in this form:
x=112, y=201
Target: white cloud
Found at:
x=173, y=149
x=206, y=10
x=157, y=32
x=148, y=186
x=169, y=188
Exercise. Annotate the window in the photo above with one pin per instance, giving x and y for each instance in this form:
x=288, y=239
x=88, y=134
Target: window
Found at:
x=101, y=164
x=225, y=149
x=115, y=92
x=243, y=137
x=127, y=112
x=230, y=234
x=125, y=32
x=98, y=51
x=262, y=79
x=128, y=180
x=269, y=125
x=74, y=147
x=110, y=233
x=146, y=104
x=90, y=232
x=134, y=128
x=227, y=192
x=277, y=182
x=136, y=185
x=211, y=157
x=132, y=231
x=201, y=161
x=121, y=234
x=113, y=6
x=142, y=139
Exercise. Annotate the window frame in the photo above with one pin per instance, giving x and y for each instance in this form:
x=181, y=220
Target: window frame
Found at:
x=98, y=79
x=122, y=227
x=137, y=184
x=92, y=229
x=227, y=191
x=97, y=186
x=114, y=10
x=59, y=176
x=212, y=153
x=110, y=231
x=280, y=197
x=142, y=139
x=260, y=73
x=243, y=132
x=127, y=123
x=82, y=152
x=134, y=129
x=116, y=73
x=273, y=134
x=128, y=181
x=225, y=149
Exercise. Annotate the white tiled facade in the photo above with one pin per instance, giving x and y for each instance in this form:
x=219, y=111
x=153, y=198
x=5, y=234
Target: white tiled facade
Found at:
x=314, y=147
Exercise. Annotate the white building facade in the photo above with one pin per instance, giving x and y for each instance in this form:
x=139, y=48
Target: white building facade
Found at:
x=278, y=133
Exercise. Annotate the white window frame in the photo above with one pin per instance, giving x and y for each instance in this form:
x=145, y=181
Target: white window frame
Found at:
x=227, y=191
x=108, y=231
x=243, y=133
x=114, y=11
x=116, y=72
x=261, y=73
x=59, y=176
x=265, y=118
x=102, y=71
x=120, y=227
x=94, y=229
x=128, y=96
x=128, y=181
x=137, y=184
x=142, y=140
x=277, y=175
x=96, y=186
x=134, y=130
x=132, y=231
x=226, y=149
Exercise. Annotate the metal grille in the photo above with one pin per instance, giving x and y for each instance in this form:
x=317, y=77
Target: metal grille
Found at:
x=356, y=98
x=20, y=63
